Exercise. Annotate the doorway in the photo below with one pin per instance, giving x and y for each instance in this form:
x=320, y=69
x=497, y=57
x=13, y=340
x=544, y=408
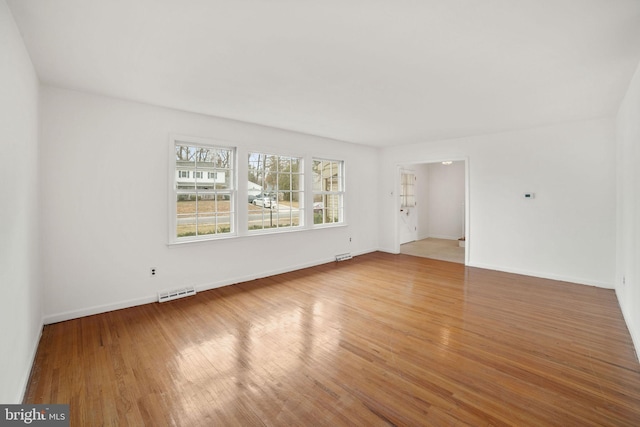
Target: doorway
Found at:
x=433, y=210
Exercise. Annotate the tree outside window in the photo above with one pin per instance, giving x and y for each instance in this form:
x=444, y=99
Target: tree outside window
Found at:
x=277, y=182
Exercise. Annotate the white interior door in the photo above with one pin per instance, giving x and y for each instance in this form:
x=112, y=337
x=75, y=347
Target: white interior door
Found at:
x=408, y=217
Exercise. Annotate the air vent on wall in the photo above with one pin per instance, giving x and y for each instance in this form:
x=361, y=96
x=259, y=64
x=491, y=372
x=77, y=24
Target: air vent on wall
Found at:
x=175, y=294
x=343, y=257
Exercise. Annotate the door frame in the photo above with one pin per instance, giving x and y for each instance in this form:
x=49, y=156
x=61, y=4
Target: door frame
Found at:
x=467, y=204
x=412, y=210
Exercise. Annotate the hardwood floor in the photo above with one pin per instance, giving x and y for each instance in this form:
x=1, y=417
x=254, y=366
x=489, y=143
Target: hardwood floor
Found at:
x=378, y=340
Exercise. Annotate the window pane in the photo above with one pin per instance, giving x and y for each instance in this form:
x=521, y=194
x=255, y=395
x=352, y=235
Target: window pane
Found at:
x=333, y=210
x=206, y=223
x=285, y=215
x=328, y=187
x=317, y=176
x=334, y=177
x=284, y=164
x=186, y=215
x=295, y=199
x=255, y=217
x=296, y=165
x=207, y=204
x=185, y=167
x=223, y=180
x=271, y=163
x=296, y=185
x=407, y=190
x=275, y=187
x=284, y=181
x=223, y=222
x=204, y=187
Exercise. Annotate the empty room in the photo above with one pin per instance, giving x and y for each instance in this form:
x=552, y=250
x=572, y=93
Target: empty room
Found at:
x=203, y=205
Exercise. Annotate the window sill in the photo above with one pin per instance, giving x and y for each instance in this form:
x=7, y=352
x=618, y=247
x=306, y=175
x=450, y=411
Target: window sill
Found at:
x=255, y=233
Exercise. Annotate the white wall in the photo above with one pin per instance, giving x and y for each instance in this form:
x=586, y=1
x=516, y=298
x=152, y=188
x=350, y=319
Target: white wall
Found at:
x=105, y=207
x=445, y=200
x=628, y=209
x=567, y=232
x=20, y=309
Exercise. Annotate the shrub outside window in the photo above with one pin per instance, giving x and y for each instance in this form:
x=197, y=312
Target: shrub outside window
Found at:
x=328, y=191
x=275, y=192
x=204, y=201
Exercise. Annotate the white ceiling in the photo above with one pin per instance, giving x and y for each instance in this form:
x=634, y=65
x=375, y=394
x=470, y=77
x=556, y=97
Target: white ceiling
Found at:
x=366, y=71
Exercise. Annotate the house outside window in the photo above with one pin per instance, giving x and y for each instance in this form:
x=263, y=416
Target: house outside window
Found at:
x=328, y=191
x=204, y=208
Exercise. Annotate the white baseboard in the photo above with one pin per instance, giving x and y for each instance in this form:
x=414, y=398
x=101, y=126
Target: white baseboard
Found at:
x=74, y=314
x=97, y=309
x=442, y=236
x=542, y=275
x=367, y=251
x=389, y=251
x=250, y=277
x=25, y=378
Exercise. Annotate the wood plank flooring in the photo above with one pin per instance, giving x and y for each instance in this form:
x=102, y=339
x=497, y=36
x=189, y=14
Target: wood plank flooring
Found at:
x=375, y=341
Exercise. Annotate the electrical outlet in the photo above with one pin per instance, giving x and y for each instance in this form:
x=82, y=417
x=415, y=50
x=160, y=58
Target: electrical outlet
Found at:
x=153, y=271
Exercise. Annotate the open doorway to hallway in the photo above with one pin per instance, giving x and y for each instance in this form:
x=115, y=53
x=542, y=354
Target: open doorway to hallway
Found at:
x=438, y=217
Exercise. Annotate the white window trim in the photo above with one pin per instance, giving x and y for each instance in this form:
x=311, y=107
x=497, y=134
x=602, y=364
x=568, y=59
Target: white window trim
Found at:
x=343, y=194
x=173, y=192
x=240, y=212
x=302, y=220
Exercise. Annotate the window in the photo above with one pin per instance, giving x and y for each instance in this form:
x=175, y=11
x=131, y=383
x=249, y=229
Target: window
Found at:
x=275, y=192
x=408, y=190
x=328, y=191
x=204, y=208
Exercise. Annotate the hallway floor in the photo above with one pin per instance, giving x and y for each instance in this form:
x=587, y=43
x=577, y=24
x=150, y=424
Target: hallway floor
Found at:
x=440, y=249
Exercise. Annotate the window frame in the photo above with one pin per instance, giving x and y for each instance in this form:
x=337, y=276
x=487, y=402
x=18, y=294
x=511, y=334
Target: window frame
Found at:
x=218, y=194
x=268, y=212
x=341, y=193
x=239, y=191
